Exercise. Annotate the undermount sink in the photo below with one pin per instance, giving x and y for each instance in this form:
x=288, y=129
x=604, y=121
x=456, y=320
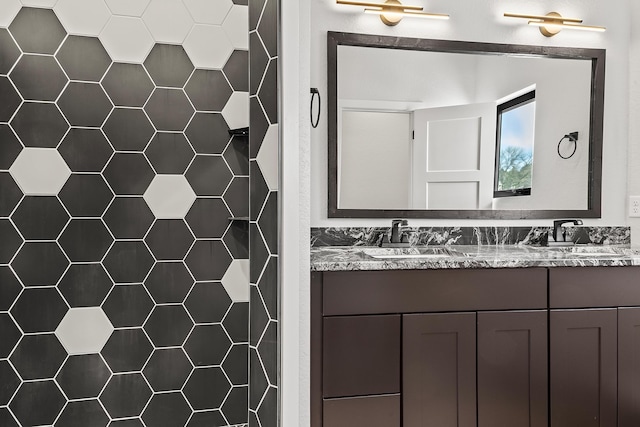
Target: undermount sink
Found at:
x=405, y=253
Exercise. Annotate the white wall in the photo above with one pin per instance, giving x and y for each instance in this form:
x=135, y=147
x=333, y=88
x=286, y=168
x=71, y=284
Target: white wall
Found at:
x=305, y=151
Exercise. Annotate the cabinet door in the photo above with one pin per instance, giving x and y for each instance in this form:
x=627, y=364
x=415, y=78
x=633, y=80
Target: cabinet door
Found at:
x=439, y=370
x=629, y=367
x=361, y=355
x=512, y=369
x=583, y=367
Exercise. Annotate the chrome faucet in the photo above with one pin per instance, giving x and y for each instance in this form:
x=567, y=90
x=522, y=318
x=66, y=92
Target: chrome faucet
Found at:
x=559, y=235
x=398, y=238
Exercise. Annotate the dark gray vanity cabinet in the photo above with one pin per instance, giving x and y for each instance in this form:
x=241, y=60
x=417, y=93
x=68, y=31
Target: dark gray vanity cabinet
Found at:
x=519, y=347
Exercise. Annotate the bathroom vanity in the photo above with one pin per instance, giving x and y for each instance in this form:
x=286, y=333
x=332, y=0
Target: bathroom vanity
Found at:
x=484, y=336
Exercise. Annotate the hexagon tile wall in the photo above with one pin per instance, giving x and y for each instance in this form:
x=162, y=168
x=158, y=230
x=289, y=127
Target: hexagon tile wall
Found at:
x=263, y=229
x=124, y=283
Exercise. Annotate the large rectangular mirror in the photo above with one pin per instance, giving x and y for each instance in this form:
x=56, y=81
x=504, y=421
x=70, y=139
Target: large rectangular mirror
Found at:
x=423, y=128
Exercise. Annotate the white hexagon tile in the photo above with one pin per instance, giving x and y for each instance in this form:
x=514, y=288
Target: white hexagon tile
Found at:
x=236, y=112
x=209, y=12
x=169, y=21
x=236, y=280
x=84, y=330
x=39, y=3
x=126, y=39
x=169, y=196
x=82, y=17
x=127, y=7
x=268, y=157
x=8, y=11
x=40, y=171
x=236, y=25
x=208, y=46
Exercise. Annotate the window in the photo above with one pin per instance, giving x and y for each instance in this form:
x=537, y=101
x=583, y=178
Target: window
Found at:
x=514, y=146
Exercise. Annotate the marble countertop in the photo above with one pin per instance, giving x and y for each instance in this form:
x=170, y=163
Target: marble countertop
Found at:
x=348, y=258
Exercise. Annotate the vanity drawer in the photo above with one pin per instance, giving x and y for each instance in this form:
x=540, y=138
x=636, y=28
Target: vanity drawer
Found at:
x=368, y=411
x=415, y=291
x=361, y=355
x=571, y=287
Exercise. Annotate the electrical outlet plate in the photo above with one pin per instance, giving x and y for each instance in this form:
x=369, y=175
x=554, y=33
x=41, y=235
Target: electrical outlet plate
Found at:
x=634, y=206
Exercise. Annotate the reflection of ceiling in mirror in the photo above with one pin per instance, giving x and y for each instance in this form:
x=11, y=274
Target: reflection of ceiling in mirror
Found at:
x=436, y=79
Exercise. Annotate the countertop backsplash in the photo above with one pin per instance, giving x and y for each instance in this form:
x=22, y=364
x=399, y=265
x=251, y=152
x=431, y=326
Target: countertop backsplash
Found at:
x=425, y=236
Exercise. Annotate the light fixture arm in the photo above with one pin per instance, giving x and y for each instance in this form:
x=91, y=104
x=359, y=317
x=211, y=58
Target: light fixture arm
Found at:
x=552, y=23
x=392, y=11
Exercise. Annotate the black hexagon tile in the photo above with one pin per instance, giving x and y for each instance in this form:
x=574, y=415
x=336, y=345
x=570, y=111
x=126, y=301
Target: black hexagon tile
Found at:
x=10, y=195
x=38, y=77
x=207, y=345
x=131, y=422
x=268, y=93
x=168, y=325
x=268, y=27
x=9, y=52
x=128, y=306
x=258, y=59
x=10, y=288
x=236, y=404
x=268, y=410
x=128, y=262
x=39, y=310
x=268, y=286
x=38, y=356
x=37, y=30
x=167, y=409
x=49, y=258
x=83, y=376
x=208, y=133
x=259, y=126
x=85, y=150
x=9, y=335
x=44, y=395
x=127, y=85
x=259, y=253
x=129, y=218
x=83, y=58
x=125, y=395
x=129, y=174
x=39, y=124
x=169, y=282
x=9, y=382
x=237, y=155
x=10, y=99
x=237, y=196
x=86, y=195
x=168, y=65
x=85, y=285
x=127, y=350
x=237, y=70
x=258, y=190
x=10, y=147
x=206, y=388
x=169, y=109
x=83, y=413
x=85, y=104
x=167, y=369
x=128, y=129
x=169, y=239
x=235, y=324
x=209, y=175
x=237, y=239
x=208, y=90
x=268, y=349
x=208, y=302
x=169, y=153
x=85, y=240
x=235, y=364
x=207, y=418
x=11, y=241
x=208, y=260
x=208, y=218
x=259, y=317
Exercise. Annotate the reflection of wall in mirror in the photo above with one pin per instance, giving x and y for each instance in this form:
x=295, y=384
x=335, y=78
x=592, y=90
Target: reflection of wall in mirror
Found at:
x=365, y=73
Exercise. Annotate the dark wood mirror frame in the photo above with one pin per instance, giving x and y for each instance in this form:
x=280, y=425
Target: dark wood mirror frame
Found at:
x=597, y=57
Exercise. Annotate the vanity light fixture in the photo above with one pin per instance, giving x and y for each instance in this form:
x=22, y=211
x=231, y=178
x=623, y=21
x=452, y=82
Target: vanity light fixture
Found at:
x=392, y=11
x=552, y=23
